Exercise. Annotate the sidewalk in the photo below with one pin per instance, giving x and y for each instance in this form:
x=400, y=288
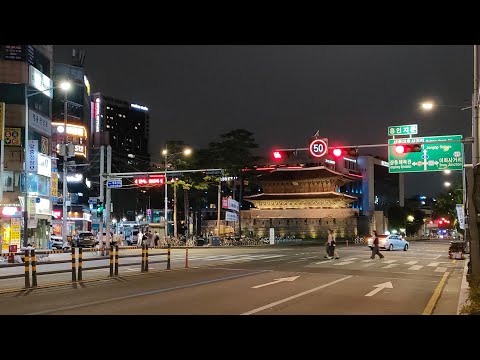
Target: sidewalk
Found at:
x=455, y=292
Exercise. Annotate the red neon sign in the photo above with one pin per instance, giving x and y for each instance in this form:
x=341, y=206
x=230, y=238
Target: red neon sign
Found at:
x=151, y=180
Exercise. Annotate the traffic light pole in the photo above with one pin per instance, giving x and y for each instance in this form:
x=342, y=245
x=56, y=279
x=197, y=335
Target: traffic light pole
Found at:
x=108, y=203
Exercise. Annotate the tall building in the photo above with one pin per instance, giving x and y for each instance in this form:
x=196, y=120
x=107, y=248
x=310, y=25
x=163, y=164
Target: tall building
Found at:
x=26, y=69
x=77, y=133
x=125, y=127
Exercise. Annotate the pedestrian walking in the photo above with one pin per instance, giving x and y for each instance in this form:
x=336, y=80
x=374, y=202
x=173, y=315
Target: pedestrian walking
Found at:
x=334, y=245
x=376, y=247
x=156, y=238
x=139, y=238
x=329, y=245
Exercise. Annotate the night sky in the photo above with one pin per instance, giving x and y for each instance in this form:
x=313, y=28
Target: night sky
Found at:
x=285, y=93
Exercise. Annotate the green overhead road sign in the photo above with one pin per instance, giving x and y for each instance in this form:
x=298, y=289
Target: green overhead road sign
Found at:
x=435, y=155
x=403, y=130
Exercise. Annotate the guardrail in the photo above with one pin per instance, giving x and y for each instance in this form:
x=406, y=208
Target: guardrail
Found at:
x=30, y=261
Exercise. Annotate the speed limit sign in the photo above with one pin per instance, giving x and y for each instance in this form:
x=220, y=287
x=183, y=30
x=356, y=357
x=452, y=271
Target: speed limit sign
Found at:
x=318, y=147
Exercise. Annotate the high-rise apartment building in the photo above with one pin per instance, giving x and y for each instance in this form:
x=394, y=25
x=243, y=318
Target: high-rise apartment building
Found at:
x=125, y=127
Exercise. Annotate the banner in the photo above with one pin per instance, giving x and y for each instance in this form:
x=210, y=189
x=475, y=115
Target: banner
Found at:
x=461, y=216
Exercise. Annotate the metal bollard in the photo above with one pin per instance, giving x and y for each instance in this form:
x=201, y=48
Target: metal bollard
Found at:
x=34, y=269
x=186, y=257
x=146, y=258
x=116, y=260
x=74, y=265
x=27, y=269
x=80, y=264
x=111, y=260
x=143, y=258
x=168, y=257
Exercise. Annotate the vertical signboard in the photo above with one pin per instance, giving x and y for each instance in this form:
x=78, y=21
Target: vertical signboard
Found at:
x=461, y=216
x=2, y=119
x=31, y=207
x=54, y=185
x=15, y=231
x=32, y=155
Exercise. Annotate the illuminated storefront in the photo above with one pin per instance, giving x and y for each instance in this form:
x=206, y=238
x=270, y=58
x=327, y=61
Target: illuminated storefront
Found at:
x=78, y=219
x=10, y=226
x=76, y=134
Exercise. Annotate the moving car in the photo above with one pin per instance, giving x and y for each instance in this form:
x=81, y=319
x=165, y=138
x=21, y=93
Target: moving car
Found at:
x=390, y=242
x=57, y=242
x=85, y=239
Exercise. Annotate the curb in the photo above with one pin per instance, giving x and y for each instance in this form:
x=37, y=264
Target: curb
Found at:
x=462, y=299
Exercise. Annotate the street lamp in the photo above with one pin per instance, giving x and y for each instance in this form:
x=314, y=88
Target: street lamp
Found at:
x=186, y=152
x=447, y=183
x=63, y=85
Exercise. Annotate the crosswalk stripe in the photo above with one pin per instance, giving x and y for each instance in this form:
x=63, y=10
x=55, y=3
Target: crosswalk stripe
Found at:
x=411, y=262
x=389, y=261
x=344, y=263
x=433, y=264
x=441, y=269
x=368, y=260
x=390, y=266
x=367, y=265
x=415, y=267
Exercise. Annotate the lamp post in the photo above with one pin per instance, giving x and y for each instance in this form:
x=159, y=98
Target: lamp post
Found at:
x=64, y=86
x=186, y=152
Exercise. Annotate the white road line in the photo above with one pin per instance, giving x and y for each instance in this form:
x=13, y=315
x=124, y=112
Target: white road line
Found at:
x=441, y=269
x=324, y=261
x=344, y=263
x=415, y=267
x=411, y=262
x=367, y=265
x=368, y=260
x=350, y=259
x=390, y=266
x=268, y=306
x=389, y=261
x=433, y=264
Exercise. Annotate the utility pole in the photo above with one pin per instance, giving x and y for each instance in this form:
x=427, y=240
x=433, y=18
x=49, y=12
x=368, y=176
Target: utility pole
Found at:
x=219, y=205
x=2, y=148
x=102, y=166
x=175, y=210
x=109, y=196
x=240, y=207
x=166, y=194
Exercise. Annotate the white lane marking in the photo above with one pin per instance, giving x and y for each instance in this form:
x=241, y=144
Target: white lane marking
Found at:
x=153, y=292
x=368, y=260
x=276, y=281
x=411, y=262
x=415, y=267
x=433, y=264
x=441, y=269
x=389, y=261
x=344, y=263
x=268, y=306
x=390, y=266
x=324, y=261
x=350, y=259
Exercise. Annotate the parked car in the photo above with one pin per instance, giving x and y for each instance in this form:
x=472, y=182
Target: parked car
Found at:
x=390, y=242
x=85, y=239
x=57, y=243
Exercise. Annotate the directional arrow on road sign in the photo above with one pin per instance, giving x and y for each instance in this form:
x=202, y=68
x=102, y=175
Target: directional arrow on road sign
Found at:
x=380, y=287
x=292, y=278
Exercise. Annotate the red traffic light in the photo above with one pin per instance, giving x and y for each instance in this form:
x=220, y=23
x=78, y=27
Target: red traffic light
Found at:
x=337, y=152
x=277, y=155
x=399, y=149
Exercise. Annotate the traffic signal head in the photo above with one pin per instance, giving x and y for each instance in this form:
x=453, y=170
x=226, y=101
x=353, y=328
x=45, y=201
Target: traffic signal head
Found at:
x=338, y=152
x=279, y=155
x=406, y=148
x=99, y=209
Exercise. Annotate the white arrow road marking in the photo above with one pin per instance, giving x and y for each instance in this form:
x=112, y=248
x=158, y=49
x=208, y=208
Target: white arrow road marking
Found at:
x=441, y=269
x=411, y=263
x=390, y=266
x=380, y=287
x=433, y=264
x=415, y=267
x=292, y=278
x=268, y=306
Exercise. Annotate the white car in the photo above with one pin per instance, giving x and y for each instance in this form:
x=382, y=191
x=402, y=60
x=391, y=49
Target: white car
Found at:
x=390, y=242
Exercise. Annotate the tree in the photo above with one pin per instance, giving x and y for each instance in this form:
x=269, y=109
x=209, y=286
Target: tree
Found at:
x=234, y=154
x=445, y=206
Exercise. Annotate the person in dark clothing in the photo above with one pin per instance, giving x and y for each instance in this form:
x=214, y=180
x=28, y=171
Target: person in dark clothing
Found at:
x=376, y=247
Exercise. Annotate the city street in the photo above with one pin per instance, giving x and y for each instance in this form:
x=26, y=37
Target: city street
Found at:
x=265, y=280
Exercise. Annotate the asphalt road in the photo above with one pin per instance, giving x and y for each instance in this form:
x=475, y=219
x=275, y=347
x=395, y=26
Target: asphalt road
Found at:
x=266, y=281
